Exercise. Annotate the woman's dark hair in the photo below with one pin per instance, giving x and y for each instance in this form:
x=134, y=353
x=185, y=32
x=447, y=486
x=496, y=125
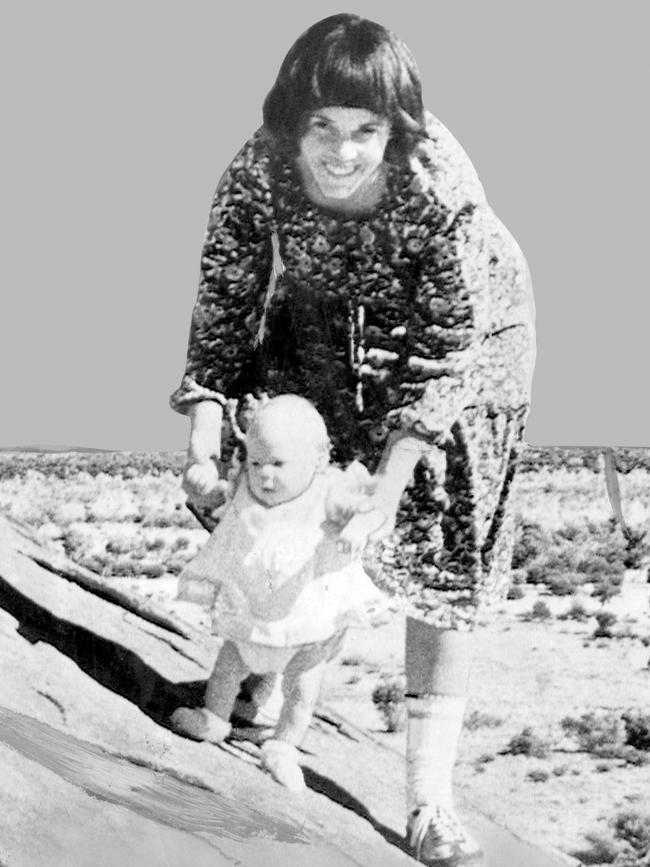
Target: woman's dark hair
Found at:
x=345, y=60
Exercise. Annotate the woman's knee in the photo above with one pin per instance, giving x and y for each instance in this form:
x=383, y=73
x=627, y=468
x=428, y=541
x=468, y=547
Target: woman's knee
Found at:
x=437, y=660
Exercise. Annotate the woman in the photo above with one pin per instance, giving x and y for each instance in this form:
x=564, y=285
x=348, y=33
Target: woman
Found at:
x=351, y=258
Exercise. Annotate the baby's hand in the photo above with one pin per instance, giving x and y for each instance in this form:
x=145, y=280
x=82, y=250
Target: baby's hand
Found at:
x=363, y=526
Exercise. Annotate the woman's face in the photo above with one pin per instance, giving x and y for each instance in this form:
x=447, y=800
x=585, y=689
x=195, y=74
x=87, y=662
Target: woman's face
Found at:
x=343, y=148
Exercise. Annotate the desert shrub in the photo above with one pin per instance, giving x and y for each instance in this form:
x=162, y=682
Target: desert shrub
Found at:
x=352, y=659
x=637, y=729
x=576, y=611
x=528, y=743
x=560, y=770
x=603, y=850
x=629, y=846
x=541, y=567
x=539, y=611
x=388, y=698
x=65, y=465
x=175, y=565
x=606, y=587
x=478, y=719
x=569, y=532
x=601, y=734
x=563, y=583
x=515, y=591
x=636, y=549
x=605, y=620
x=531, y=541
x=538, y=775
x=151, y=570
x=119, y=544
x=485, y=758
x=122, y=566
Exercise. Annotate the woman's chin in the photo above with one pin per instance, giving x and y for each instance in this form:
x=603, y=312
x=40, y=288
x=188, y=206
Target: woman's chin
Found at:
x=337, y=193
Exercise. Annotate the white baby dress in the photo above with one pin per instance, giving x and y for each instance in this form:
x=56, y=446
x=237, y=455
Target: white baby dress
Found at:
x=274, y=574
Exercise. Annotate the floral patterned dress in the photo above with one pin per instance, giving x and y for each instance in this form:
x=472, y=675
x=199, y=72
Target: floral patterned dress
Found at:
x=416, y=316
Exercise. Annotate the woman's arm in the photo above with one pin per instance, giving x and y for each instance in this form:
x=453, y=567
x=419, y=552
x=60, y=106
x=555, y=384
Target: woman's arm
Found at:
x=206, y=418
x=235, y=269
x=470, y=282
x=395, y=470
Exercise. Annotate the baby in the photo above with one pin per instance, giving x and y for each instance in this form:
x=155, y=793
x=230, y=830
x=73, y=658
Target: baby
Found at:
x=283, y=577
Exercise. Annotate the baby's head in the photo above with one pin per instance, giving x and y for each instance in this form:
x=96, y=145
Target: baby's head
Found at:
x=286, y=445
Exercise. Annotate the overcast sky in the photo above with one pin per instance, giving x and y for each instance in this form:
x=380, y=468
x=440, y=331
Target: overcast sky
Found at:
x=119, y=118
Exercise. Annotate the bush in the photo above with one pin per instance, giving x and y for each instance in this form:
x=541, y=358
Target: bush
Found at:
x=577, y=611
x=636, y=549
x=477, y=720
x=600, y=734
x=538, y=776
x=563, y=583
x=634, y=829
x=606, y=587
x=548, y=564
x=527, y=743
x=531, y=541
x=637, y=729
x=605, y=620
x=388, y=697
x=539, y=611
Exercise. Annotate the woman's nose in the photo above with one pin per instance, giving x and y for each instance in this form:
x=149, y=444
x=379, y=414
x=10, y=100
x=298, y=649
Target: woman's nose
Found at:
x=345, y=148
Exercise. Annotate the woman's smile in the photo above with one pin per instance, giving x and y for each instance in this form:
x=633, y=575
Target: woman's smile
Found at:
x=342, y=151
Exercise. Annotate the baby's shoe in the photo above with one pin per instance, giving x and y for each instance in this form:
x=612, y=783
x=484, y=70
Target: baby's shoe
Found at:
x=437, y=838
x=280, y=760
x=200, y=724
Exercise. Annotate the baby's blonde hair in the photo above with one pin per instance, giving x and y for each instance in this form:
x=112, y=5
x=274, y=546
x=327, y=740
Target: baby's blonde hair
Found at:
x=297, y=411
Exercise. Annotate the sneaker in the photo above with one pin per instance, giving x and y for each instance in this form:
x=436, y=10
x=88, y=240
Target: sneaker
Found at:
x=199, y=724
x=437, y=838
x=280, y=760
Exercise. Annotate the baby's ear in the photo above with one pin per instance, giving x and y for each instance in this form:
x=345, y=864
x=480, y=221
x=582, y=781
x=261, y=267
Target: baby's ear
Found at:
x=322, y=461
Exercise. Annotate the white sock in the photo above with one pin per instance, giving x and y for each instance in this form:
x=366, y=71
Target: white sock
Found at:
x=434, y=726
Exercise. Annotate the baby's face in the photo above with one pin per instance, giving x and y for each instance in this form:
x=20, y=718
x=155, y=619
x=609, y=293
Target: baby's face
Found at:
x=280, y=464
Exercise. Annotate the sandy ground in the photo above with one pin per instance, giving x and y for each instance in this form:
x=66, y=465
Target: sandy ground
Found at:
x=529, y=674
x=524, y=674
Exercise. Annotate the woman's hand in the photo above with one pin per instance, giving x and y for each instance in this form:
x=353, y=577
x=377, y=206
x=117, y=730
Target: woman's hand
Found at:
x=368, y=526
x=201, y=479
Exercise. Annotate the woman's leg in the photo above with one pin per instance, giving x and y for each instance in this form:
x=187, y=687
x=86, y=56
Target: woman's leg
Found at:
x=437, y=674
x=211, y=722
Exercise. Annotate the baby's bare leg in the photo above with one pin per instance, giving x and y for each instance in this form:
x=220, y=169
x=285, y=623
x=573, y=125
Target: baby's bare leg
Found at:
x=301, y=687
x=224, y=682
x=303, y=678
x=211, y=722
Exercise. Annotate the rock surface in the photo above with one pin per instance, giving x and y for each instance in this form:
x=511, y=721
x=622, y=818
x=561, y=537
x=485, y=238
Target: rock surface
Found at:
x=91, y=775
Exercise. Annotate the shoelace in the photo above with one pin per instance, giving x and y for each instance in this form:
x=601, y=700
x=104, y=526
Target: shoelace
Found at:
x=443, y=823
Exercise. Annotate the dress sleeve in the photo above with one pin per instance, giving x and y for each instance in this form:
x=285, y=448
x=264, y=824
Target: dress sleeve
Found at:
x=235, y=268
x=459, y=299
